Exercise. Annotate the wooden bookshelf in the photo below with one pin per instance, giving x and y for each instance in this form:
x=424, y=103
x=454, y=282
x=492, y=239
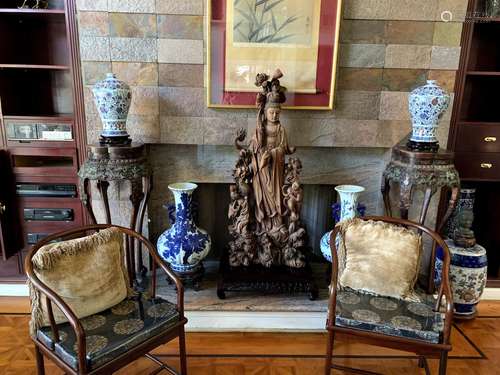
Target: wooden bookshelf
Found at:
x=475, y=127
x=42, y=129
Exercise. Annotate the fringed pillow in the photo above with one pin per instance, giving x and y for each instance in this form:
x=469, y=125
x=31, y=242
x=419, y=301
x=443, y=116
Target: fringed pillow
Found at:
x=379, y=258
x=88, y=273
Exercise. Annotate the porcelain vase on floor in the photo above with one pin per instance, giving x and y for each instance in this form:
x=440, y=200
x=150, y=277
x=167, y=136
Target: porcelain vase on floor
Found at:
x=427, y=105
x=349, y=208
x=113, y=98
x=184, y=245
x=469, y=262
x=468, y=276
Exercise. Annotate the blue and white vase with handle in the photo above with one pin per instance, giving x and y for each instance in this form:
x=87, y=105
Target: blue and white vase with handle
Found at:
x=427, y=105
x=184, y=245
x=112, y=98
x=349, y=209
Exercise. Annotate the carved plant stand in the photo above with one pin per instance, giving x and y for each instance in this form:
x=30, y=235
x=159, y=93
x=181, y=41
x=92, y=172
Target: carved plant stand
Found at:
x=118, y=163
x=427, y=171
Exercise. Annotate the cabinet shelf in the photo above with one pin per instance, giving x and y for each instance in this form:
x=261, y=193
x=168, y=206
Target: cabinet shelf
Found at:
x=31, y=11
x=483, y=73
x=34, y=66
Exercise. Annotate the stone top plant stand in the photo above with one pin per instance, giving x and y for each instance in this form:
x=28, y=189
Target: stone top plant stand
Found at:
x=428, y=171
x=107, y=163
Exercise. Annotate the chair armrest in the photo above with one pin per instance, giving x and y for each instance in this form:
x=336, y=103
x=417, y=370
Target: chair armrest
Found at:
x=332, y=304
x=157, y=260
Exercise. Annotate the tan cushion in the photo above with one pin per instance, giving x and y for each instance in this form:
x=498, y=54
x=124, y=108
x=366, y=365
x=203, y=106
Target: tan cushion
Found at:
x=379, y=258
x=88, y=273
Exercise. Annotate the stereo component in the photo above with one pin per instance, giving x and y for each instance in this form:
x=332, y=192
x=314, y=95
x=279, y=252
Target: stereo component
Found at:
x=48, y=214
x=46, y=190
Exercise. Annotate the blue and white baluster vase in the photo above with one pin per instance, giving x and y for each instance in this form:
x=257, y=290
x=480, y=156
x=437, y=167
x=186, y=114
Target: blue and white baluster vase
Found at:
x=113, y=98
x=184, y=245
x=349, y=209
x=427, y=105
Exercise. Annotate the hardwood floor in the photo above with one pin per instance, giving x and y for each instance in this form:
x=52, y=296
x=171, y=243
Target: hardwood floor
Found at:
x=476, y=351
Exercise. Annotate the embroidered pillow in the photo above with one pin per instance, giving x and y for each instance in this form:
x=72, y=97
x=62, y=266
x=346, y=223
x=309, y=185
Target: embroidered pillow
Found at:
x=88, y=273
x=379, y=258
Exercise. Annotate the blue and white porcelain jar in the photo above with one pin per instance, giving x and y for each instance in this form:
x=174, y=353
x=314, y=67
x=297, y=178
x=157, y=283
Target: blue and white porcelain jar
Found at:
x=427, y=104
x=468, y=276
x=184, y=245
x=112, y=98
x=349, y=209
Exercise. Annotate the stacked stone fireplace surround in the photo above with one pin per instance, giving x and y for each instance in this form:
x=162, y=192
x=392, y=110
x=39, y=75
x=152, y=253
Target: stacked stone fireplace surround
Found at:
x=387, y=48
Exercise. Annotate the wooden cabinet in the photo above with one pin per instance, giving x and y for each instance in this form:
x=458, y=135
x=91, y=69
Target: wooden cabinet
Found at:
x=475, y=126
x=41, y=126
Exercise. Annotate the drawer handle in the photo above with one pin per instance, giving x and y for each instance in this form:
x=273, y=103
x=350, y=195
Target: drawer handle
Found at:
x=490, y=139
x=486, y=165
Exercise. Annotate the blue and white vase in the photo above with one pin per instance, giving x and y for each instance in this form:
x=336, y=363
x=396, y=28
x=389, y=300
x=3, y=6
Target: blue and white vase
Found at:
x=112, y=98
x=468, y=276
x=349, y=209
x=427, y=105
x=184, y=245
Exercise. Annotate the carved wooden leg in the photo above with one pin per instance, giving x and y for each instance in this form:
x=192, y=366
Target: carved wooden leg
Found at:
x=429, y=192
x=455, y=192
x=136, y=198
x=103, y=190
x=40, y=368
x=86, y=198
x=329, y=352
x=443, y=363
x=405, y=199
x=386, y=188
x=182, y=352
x=147, y=183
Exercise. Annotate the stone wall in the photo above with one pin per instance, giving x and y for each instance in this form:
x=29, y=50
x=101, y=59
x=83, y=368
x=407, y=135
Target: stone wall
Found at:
x=387, y=48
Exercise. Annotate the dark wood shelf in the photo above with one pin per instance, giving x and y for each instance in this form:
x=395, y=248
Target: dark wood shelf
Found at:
x=34, y=66
x=32, y=11
x=483, y=73
x=483, y=19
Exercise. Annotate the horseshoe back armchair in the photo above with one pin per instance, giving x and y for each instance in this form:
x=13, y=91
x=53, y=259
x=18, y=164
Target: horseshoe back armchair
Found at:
x=418, y=327
x=92, y=345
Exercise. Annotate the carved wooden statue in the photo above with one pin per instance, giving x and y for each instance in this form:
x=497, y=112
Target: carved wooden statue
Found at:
x=266, y=198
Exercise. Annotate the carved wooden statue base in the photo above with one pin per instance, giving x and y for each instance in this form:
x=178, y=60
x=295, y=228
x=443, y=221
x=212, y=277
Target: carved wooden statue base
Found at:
x=267, y=280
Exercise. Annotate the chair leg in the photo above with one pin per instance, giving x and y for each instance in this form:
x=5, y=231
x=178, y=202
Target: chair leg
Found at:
x=443, y=363
x=329, y=352
x=40, y=368
x=182, y=351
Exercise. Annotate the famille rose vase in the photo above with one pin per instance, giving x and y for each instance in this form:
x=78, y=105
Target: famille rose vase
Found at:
x=112, y=98
x=468, y=276
x=427, y=104
x=468, y=265
x=349, y=209
x=184, y=245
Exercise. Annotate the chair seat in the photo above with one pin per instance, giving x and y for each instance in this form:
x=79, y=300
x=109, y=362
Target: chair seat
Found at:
x=390, y=316
x=113, y=331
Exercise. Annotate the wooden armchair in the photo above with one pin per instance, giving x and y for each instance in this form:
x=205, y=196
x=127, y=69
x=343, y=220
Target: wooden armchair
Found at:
x=413, y=327
x=73, y=345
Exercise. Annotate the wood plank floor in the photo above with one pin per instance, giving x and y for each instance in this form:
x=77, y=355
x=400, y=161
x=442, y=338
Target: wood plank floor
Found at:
x=476, y=350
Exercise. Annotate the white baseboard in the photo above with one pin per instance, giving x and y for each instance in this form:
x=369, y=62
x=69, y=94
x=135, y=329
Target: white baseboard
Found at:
x=217, y=321
x=14, y=290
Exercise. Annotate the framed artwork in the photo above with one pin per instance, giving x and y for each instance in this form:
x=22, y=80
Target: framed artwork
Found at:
x=246, y=37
